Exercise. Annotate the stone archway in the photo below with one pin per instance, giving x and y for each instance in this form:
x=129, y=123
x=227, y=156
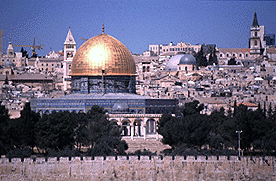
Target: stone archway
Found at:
x=137, y=126
x=126, y=127
x=151, y=126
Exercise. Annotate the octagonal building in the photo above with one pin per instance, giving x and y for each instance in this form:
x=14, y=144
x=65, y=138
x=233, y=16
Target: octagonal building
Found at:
x=103, y=65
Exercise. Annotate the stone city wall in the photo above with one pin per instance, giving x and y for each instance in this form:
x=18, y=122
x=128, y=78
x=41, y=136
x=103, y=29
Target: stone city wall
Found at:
x=139, y=168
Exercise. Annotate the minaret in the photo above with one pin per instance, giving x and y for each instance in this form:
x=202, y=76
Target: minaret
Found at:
x=255, y=43
x=69, y=52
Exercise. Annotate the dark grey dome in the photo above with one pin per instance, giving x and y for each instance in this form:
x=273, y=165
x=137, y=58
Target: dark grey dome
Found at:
x=9, y=64
x=180, y=59
x=188, y=59
x=120, y=106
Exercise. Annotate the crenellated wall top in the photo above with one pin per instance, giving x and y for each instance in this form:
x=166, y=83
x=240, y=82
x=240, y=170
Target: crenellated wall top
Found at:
x=268, y=159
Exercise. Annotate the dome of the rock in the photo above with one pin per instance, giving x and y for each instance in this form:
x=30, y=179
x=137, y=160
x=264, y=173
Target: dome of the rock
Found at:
x=103, y=53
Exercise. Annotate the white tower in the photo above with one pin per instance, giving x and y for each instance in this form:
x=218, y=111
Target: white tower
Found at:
x=69, y=52
x=10, y=50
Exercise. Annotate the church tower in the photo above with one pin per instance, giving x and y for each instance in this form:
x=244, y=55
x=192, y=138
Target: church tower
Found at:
x=255, y=41
x=69, y=52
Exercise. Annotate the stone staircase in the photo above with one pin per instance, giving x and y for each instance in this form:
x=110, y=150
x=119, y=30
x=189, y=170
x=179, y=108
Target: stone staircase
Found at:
x=151, y=144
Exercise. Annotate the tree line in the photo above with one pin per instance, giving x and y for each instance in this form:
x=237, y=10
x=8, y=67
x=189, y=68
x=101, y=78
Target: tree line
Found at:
x=59, y=133
x=191, y=131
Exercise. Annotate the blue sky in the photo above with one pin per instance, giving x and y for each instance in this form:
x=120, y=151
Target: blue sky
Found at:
x=136, y=23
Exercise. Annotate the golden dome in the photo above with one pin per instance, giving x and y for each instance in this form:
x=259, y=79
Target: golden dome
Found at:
x=103, y=52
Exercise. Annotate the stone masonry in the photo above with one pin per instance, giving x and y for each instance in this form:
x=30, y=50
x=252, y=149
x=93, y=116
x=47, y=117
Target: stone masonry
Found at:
x=139, y=168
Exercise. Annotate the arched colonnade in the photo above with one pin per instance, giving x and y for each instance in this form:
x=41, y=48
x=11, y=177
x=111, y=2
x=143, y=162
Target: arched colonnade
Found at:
x=137, y=125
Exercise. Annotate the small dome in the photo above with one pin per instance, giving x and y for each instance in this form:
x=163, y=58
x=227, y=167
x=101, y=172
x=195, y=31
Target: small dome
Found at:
x=180, y=59
x=188, y=59
x=121, y=107
x=9, y=64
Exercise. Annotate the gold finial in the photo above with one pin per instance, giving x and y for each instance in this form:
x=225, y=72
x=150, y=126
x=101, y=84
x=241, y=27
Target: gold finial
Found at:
x=103, y=29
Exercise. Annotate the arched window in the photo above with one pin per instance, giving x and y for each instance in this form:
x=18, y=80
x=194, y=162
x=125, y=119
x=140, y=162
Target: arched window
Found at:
x=137, y=128
x=255, y=42
x=126, y=129
x=151, y=126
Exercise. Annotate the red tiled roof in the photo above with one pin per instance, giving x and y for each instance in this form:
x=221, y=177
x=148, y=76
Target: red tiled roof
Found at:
x=248, y=104
x=237, y=50
x=271, y=50
x=216, y=102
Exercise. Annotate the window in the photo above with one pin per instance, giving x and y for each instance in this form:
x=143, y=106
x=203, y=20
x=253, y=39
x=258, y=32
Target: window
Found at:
x=234, y=55
x=256, y=34
x=227, y=55
x=220, y=55
x=69, y=46
x=246, y=55
x=255, y=42
x=240, y=55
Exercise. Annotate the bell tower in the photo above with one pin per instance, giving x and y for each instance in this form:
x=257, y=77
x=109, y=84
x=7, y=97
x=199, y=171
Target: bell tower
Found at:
x=255, y=41
x=69, y=52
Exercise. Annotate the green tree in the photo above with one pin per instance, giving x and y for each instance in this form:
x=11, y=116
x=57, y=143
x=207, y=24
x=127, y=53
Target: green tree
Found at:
x=80, y=130
x=169, y=127
x=201, y=59
x=56, y=131
x=190, y=129
x=232, y=61
x=4, y=124
x=24, y=128
x=213, y=57
x=222, y=130
x=104, y=136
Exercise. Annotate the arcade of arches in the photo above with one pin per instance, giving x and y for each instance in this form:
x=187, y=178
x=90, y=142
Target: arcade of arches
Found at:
x=137, y=125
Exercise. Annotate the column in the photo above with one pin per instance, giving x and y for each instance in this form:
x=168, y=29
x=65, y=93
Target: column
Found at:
x=144, y=127
x=131, y=129
x=155, y=124
x=144, y=130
